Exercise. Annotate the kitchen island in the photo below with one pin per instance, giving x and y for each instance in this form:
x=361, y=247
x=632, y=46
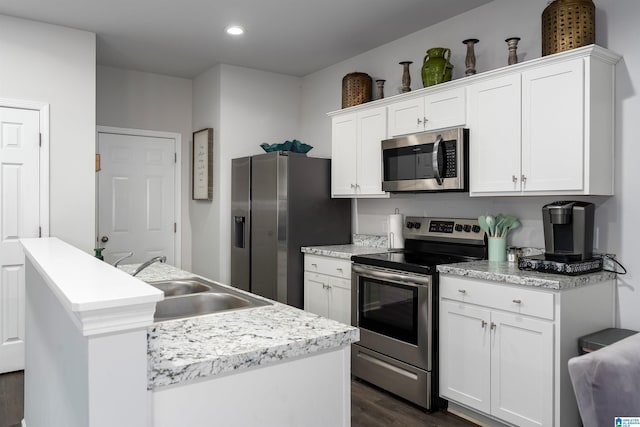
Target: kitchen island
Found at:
x=93, y=342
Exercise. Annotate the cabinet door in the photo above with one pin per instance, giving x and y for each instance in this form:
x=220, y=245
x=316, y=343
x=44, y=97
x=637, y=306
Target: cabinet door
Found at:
x=553, y=127
x=465, y=354
x=406, y=117
x=316, y=297
x=494, y=136
x=522, y=370
x=340, y=300
x=343, y=155
x=445, y=109
x=372, y=129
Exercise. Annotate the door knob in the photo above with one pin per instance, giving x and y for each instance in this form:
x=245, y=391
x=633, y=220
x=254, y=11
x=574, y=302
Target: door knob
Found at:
x=104, y=239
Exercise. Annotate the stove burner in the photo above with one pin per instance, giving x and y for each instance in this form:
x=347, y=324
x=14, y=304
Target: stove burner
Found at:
x=415, y=262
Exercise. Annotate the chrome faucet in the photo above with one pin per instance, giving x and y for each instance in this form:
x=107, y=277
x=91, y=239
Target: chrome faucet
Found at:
x=122, y=258
x=146, y=264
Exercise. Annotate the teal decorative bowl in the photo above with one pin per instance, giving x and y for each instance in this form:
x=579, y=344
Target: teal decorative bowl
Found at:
x=294, y=146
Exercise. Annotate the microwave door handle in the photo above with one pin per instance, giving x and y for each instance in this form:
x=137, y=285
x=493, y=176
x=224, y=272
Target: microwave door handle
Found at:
x=434, y=154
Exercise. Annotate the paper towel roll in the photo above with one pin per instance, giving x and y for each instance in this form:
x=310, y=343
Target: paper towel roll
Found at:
x=394, y=236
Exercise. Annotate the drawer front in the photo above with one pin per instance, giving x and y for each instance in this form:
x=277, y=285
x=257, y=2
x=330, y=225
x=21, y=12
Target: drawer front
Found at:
x=513, y=298
x=326, y=265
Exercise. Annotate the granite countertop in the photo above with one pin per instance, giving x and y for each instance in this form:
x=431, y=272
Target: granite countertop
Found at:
x=362, y=244
x=509, y=273
x=185, y=349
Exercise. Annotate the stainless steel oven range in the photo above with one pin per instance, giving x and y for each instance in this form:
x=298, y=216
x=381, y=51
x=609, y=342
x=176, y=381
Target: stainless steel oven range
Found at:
x=395, y=305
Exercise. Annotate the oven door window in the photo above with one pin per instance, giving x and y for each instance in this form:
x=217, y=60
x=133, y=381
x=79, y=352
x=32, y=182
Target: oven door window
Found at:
x=408, y=163
x=388, y=308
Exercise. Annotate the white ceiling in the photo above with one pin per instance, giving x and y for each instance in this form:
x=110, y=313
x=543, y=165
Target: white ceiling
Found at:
x=186, y=37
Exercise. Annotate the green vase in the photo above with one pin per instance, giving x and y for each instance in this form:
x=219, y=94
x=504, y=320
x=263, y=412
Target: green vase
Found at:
x=436, y=67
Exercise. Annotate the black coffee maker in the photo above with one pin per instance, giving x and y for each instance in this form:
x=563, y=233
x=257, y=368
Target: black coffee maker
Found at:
x=568, y=231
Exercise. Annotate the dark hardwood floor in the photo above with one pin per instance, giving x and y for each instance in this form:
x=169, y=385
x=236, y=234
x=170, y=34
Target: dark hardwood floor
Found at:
x=374, y=407
x=370, y=407
x=11, y=399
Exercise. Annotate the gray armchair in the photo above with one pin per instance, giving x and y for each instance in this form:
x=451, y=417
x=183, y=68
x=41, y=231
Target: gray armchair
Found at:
x=607, y=382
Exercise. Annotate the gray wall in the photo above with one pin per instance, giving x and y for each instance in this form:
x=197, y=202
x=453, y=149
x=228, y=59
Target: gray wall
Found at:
x=57, y=66
x=245, y=107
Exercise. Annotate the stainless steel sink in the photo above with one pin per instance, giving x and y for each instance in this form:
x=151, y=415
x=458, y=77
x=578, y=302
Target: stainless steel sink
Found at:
x=172, y=288
x=196, y=297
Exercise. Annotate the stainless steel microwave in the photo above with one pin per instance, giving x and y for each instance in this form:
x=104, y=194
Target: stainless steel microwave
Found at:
x=427, y=161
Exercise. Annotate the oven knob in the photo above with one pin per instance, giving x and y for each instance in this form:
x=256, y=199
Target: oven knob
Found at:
x=417, y=225
x=458, y=227
x=409, y=225
x=467, y=228
x=475, y=228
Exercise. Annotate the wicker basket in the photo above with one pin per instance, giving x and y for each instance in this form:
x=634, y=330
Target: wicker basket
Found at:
x=568, y=24
x=357, y=88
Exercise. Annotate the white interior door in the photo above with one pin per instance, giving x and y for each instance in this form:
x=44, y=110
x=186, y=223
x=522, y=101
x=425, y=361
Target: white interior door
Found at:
x=136, y=197
x=19, y=218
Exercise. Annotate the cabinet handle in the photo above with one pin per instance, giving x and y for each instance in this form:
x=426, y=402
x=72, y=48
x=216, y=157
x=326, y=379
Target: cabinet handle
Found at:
x=514, y=178
x=517, y=301
x=357, y=185
x=339, y=269
x=493, y=325
x=314, y=265
x=462, y=291
x=353, y=186
x=419, y=121
x=484, y=323
x=524, y=178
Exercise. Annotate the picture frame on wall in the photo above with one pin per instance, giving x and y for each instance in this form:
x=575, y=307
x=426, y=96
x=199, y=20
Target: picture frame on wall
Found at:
x=202, y=164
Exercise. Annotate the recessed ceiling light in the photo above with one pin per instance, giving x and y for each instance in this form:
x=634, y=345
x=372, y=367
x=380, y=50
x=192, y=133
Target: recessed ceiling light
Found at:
x=235, y=30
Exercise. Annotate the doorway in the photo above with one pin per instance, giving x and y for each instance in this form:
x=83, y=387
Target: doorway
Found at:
x=138, y=195
x=24, y=213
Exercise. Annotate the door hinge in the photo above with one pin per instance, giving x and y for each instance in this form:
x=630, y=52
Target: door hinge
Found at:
x=175, y=227
x=39, y=140
x=39, y=231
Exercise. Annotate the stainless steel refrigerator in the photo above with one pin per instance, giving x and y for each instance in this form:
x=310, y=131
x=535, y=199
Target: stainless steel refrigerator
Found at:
x=280, y=202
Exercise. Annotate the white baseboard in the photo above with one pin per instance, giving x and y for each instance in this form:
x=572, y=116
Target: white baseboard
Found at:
x=473, y=416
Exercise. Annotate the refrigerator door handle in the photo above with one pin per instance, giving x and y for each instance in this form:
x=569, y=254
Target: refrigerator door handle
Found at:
x=239, y=231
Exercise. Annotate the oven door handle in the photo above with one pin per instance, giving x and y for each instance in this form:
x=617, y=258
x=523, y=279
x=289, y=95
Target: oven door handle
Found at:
x=386, y=275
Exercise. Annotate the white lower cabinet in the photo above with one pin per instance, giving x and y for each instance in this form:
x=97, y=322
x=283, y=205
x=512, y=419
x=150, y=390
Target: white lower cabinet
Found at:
x=327, y=287
x=507, y=362
x=504, y=348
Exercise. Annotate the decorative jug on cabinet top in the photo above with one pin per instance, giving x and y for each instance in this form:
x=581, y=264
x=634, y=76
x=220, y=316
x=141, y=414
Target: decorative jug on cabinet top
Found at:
x=436, y=67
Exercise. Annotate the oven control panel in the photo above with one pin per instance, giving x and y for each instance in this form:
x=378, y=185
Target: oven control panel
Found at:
x=449, y=228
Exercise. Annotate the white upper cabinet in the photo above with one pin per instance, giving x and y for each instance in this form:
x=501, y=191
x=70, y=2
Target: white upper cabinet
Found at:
x=546, y=128
x=553, y=128
x=541, y=127
x=494, y=135
x=356, y=163
x=441, y=109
